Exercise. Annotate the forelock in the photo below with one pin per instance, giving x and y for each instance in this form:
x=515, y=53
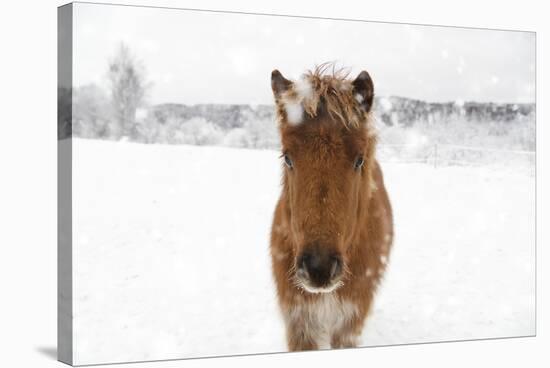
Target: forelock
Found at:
x=325, y=85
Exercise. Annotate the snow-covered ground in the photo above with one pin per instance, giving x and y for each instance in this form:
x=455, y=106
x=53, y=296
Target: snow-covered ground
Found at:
x=171, y=253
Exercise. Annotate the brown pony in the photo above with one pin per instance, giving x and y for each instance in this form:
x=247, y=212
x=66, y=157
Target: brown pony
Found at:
x=332, y=228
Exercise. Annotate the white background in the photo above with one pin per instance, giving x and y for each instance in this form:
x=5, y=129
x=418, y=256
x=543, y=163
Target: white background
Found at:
x=28, y=181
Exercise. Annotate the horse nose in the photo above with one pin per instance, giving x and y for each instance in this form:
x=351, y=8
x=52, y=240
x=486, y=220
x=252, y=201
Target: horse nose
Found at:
x=321, y=267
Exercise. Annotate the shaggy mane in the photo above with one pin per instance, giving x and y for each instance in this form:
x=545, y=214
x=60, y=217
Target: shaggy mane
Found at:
x=328, y=85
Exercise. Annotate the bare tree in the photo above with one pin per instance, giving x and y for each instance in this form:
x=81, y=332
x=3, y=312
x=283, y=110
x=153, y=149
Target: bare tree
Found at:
x=91, y=113
x=128, y=86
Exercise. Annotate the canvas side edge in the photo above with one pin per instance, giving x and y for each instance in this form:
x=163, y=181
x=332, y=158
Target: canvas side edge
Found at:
x=64, y=184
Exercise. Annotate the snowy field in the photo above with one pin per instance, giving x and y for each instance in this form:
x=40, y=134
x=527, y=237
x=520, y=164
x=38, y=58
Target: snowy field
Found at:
x=171, y=253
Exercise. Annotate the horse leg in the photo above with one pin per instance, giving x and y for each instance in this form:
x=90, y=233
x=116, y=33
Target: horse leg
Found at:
x=299, y=340
x=344, y=339
x=347, y=336
x=299, y=335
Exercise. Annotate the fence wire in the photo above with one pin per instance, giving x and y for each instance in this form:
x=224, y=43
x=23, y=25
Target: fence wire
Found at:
x=439, y=155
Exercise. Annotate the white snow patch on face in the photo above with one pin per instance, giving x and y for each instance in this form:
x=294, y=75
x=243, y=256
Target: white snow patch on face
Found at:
x=359, y=98
x=383, y=259
x=387, y=238
x=294, y=112
x=345, y=87
x=293, y=106
x=303, y=88
x=278, y=255
x=374, y=187
x=369, y=272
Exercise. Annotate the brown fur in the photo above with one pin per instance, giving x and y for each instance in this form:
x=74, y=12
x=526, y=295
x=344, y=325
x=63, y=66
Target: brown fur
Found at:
x=325, y=200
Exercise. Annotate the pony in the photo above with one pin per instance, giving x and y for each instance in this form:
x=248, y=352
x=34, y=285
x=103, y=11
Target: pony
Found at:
x=332, y=227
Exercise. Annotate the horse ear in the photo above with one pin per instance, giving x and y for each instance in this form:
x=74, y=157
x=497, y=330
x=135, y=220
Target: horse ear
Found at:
x=279, y=84
x=363, y=90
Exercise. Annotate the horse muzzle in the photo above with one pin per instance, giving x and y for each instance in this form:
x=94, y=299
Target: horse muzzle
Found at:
x=319, y=269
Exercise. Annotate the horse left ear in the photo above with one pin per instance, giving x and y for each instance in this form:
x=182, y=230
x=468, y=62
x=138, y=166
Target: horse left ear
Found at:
x=279, y=84
x=363, y=90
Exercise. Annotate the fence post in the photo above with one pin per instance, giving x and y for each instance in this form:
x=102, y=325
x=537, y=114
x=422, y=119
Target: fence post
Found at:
x=435, y=155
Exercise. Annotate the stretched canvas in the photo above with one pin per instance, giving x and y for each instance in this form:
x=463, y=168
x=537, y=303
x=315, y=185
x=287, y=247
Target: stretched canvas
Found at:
x=234, y=183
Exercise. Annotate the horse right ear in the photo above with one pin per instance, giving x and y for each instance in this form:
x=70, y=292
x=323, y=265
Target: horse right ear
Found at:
x=363, y=89
x=279, y=84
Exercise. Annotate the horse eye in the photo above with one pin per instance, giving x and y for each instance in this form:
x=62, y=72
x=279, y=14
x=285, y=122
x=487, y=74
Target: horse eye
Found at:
x=359, y=162
x=288, y=161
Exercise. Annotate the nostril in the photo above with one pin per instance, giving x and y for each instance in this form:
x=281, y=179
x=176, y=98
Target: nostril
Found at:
x=336, y=266
x=304, y=261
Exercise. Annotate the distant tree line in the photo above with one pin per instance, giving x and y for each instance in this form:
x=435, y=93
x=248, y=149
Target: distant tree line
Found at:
x=120, y=112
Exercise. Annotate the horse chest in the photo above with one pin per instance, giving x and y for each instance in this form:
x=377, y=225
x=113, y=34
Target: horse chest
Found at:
x=323, y=317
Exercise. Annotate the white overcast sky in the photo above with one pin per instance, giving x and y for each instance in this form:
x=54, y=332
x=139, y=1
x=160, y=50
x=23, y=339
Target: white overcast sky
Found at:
x=206, y=57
